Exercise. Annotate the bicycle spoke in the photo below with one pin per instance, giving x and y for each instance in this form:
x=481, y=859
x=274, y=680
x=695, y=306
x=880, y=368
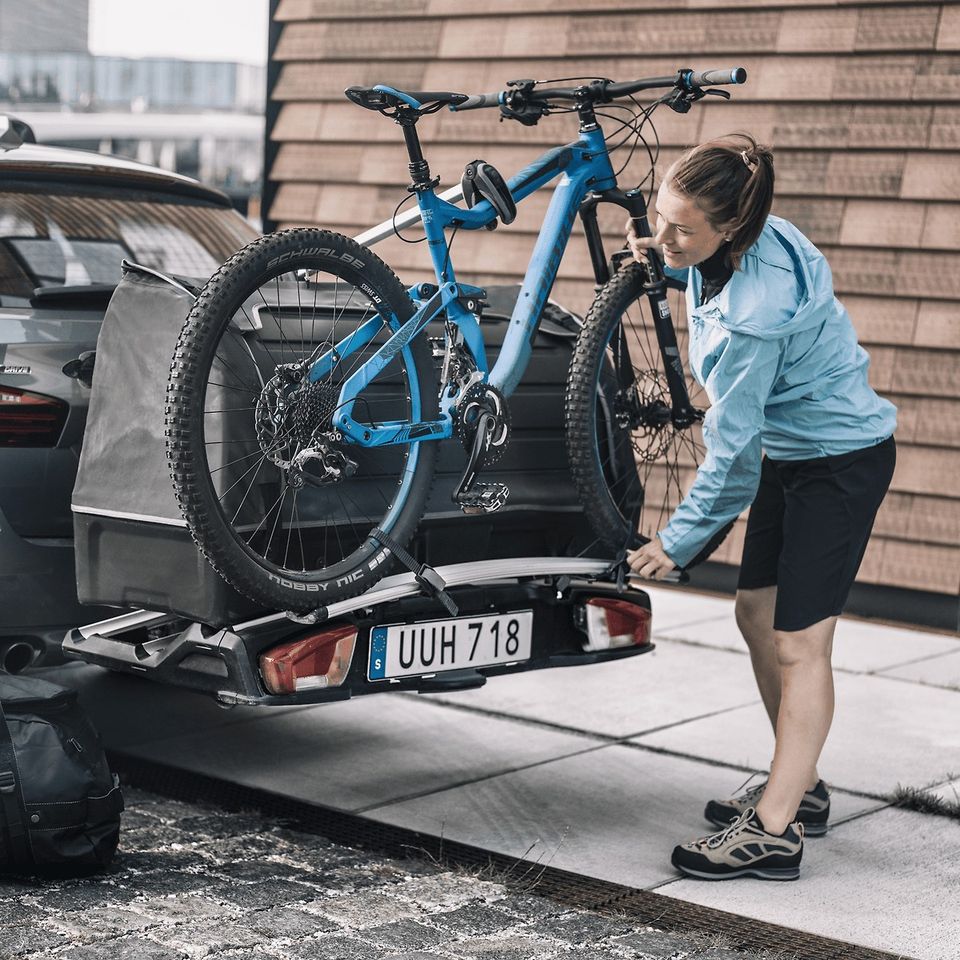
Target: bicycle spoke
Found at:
x=207, y=413
x=253, y=480
x=267, y=515
x=232, y=462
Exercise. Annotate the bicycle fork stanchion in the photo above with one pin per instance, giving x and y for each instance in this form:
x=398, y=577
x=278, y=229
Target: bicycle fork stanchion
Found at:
x=683, y=414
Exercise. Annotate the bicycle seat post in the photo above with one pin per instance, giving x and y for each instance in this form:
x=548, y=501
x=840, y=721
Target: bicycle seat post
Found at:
x=418, y=166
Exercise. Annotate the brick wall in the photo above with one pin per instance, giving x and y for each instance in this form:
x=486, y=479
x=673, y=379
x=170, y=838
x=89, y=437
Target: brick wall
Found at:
x=861, y=103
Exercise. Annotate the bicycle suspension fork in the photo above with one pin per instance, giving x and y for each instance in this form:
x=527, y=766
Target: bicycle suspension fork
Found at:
x=682, y=414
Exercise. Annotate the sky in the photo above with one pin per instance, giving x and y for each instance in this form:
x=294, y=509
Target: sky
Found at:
x=190, y=29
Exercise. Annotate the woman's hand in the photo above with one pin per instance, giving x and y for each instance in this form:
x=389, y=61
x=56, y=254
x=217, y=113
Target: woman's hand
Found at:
x=650, y=561
x=639, y=245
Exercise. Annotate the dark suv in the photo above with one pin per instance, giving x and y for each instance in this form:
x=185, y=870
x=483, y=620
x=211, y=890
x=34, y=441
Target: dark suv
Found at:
x=67, y=219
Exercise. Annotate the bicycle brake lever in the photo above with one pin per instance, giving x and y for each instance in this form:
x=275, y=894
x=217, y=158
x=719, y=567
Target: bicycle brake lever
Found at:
x=680, y=101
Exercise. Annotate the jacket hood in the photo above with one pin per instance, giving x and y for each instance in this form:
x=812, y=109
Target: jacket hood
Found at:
x=782, y=286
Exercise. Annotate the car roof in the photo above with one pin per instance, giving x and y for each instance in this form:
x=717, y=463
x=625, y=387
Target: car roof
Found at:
x=32, y=161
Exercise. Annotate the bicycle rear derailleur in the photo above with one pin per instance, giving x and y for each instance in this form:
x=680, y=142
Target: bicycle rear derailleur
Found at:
x=292, y=424
x=483, y=425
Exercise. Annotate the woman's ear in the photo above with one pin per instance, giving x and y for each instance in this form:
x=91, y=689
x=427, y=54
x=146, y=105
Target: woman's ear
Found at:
x=728, y=229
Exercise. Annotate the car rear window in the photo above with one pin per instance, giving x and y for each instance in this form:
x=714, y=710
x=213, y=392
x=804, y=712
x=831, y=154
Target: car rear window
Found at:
x=75, y=239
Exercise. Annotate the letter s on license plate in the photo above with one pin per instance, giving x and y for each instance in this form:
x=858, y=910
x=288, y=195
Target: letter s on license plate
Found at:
x=413, y=649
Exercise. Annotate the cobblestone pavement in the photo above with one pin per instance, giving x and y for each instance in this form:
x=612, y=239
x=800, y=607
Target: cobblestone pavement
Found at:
x=191, y=881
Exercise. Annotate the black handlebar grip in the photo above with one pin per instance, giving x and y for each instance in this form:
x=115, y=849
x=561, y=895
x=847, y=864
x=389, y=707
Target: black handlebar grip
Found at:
x=711, y=78
x=477, y=101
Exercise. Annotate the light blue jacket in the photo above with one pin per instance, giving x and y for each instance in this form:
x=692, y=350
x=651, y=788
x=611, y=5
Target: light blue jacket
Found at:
x=778, y=357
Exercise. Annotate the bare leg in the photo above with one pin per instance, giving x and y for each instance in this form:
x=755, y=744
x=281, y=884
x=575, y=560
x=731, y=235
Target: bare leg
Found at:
x=803, y=721
x=754, y=613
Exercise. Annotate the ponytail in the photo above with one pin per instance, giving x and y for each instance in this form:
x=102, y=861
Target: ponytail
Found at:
x=731, y=180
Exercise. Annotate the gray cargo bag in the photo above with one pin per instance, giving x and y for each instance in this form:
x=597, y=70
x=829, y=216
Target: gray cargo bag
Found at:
x=132, y=545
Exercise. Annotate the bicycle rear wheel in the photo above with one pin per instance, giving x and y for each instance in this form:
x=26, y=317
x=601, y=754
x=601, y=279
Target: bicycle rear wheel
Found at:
x=632, y=466
x=281, y=503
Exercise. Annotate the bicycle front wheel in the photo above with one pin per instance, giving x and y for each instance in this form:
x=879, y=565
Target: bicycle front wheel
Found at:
x=631, y=463
x=282, y=503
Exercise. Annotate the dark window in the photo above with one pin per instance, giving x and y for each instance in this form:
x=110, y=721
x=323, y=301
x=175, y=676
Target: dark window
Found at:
x=60, y=238
x=58, y=261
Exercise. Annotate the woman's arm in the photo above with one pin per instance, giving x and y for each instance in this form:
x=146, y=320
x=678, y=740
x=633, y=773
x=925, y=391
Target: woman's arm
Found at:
x=738, y=385
x=639, y=247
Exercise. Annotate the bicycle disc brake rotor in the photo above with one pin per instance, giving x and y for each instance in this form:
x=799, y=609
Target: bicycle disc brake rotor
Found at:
x=293, y=426
x=642, y=410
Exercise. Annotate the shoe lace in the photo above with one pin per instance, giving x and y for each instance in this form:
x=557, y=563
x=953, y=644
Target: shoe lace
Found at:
x=753, y=791
x=728, y=833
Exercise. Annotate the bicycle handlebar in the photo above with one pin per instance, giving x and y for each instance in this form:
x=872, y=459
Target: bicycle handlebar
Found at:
x=602, y=91
x=477, y=101
x=710, y=78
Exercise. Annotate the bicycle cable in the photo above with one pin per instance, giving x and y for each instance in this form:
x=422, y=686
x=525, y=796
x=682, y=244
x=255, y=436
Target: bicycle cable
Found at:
x=446, y=262
x=638, y=139
x=635, y=126
x=393, y=222
x=568, y=79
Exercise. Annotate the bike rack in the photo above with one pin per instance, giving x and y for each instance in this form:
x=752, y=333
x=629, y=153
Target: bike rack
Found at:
x=222, y=661
x=393, y=588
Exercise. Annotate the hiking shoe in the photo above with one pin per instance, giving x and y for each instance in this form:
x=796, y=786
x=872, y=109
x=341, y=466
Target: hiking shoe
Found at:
x=813, y=812
x=743, y=849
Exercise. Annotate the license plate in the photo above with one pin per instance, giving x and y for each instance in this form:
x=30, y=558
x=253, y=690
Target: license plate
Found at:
x=413, y=649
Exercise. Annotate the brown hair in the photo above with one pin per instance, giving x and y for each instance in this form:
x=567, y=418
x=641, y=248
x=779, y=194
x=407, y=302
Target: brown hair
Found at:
x=730, y=178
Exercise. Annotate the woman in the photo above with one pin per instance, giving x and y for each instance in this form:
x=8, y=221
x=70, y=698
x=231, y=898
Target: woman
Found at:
x=779, y=360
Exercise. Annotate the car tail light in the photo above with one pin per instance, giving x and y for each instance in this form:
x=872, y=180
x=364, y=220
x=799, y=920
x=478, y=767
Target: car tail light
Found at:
x=611, y=622
x=30, y=419
x=312, y=662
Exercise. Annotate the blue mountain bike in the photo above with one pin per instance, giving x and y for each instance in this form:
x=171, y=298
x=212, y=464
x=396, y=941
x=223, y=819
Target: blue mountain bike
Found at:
x=306, y=399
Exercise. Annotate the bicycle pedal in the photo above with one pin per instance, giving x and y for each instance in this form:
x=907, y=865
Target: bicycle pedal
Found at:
x=484, y=498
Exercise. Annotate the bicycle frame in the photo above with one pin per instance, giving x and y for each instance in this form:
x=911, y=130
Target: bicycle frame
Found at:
x=587, y=178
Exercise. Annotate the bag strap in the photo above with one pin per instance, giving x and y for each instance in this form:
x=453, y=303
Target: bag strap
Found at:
x=72, y=813
x=11, y=800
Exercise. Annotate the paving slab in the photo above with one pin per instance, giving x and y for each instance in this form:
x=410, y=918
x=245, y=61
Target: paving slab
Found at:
x=949, y=792
x=885, y=733
x=865, y=882
x=938, y=671
x=346, y=755
x=614, y=813
x=672, y=606
x=674, y=683
x=859, y=646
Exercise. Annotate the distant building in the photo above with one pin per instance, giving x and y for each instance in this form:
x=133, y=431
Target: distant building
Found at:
x=81, y=81
x=42, y=25
x=200, y=118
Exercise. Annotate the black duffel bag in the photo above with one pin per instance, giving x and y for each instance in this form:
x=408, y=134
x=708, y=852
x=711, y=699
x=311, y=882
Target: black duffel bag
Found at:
x=59, y=803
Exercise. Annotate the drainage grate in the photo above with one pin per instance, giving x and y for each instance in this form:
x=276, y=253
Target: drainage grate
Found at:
x=567, y=888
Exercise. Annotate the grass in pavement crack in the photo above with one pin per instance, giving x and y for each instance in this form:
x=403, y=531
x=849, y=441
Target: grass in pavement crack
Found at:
x=923, y=801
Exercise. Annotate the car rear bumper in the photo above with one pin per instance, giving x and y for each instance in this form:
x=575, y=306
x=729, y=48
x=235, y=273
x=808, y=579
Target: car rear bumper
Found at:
x=39, y=590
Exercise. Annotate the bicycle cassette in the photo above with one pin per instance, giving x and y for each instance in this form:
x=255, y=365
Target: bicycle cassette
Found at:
x=478, y=399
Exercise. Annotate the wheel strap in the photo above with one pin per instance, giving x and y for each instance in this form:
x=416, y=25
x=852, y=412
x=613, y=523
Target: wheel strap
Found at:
x=430, y=581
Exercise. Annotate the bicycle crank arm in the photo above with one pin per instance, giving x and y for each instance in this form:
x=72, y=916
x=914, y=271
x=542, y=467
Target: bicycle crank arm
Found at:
x=471, y=496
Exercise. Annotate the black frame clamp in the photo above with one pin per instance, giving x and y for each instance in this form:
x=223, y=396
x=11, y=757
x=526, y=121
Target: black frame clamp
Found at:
x=426, y=576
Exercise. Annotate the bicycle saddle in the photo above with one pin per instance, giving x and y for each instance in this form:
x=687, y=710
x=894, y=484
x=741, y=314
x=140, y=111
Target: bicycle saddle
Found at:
x=382, y=97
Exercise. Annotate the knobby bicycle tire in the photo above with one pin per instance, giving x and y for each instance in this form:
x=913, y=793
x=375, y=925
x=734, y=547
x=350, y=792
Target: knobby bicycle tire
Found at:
x=629, y=479
x=244, y=340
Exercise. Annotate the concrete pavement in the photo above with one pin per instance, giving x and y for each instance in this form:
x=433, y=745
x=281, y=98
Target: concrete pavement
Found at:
x=602, y=769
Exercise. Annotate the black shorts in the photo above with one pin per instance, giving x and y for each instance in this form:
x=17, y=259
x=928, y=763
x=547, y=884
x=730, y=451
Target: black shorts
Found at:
x=808, y=530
